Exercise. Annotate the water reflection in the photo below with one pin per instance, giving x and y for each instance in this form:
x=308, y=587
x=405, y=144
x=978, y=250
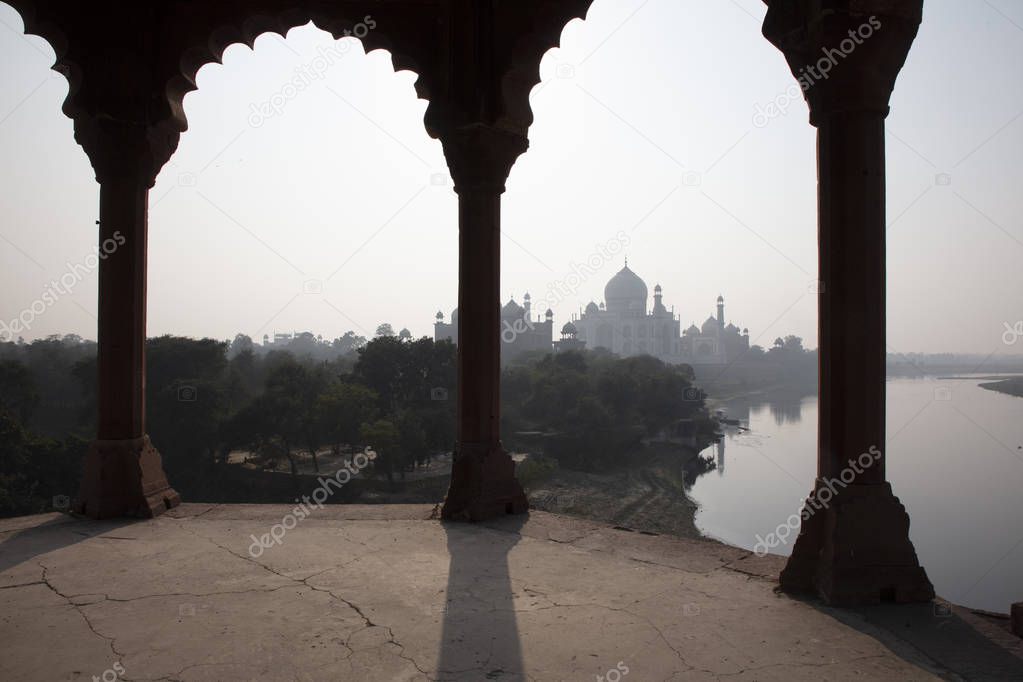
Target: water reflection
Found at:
x=954, y=457
x=785, y=407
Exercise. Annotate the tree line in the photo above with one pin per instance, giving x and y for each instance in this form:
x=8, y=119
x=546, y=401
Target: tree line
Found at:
x=209, y=400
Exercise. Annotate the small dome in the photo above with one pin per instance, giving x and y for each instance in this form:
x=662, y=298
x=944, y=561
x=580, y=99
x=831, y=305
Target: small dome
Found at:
x=549, y=314
x=454, y=314
x=591, y=308
x=745, y=331
x=404, y=334
x=569, y=328
x=710, y=326
x=721, y=299
x=732, y=328
x=657, y=288
x=440, y=315
x=693, y=329
x=527, y=297
x=512, y=309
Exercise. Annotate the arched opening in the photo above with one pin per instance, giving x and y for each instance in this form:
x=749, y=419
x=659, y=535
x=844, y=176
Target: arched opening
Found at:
x=48, y=273
x=308, y=202
x=715, y=195
x=639, y=153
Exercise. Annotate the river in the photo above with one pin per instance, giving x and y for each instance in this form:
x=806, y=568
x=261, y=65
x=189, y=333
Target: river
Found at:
x=954, y=458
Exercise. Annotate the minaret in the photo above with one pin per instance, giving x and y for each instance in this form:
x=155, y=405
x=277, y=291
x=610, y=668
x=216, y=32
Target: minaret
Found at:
x=721, y=312
x=658, y=304
x=527, y=304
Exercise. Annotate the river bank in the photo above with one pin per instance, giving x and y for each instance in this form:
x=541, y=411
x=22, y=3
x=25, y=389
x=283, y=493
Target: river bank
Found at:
x=1012, y=386
x=647, y=497
x=648, y=494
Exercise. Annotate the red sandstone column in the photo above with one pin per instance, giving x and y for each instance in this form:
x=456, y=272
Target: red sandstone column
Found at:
x=851, y=307
x=123, y=230
x=853, y=546
x=483, y=483
x=123, y=473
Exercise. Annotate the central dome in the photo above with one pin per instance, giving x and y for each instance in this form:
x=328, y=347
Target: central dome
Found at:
x=626, y=291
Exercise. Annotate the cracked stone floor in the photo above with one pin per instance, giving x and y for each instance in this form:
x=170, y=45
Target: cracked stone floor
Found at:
x=386, y=593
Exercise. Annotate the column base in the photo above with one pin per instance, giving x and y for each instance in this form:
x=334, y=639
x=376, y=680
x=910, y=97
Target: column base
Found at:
x=483, y=485
x=857, y=550
x=124, y=478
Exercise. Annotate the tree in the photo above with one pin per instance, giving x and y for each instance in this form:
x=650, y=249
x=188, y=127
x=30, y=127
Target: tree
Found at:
x=385, y=329
x=382, y=436
x=412, y=445
x=294, y=389
x=186, y=399
x=380, y=367
x=341, y=410
x=18, y=395
x=349, y=343
x=242, y=344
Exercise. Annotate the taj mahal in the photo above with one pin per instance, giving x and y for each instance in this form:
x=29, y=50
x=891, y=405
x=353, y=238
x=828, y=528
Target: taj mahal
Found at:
x=623, y=324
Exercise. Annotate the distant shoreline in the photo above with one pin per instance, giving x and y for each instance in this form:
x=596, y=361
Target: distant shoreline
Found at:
x=1012, y=386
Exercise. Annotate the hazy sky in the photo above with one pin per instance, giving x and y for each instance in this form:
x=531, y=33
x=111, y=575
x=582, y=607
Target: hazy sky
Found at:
x=644, y=127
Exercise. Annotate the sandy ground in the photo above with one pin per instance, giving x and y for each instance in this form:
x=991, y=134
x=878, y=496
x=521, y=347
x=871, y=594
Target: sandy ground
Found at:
x=649, y=499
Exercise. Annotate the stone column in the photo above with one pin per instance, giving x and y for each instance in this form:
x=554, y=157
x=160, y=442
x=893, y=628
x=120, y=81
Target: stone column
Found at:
x=853, y=546
x=123, y=473
x=483, y=483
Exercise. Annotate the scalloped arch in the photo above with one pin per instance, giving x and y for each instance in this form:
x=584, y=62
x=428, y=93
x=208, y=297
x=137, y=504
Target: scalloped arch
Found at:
x=196, y=54
x=204, y=35
x=523, y=74
x=50, y=31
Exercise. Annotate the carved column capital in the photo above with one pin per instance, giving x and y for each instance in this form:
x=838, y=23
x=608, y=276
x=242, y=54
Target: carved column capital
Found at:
x=480, y=157
x=121, y=150
x=845, y=56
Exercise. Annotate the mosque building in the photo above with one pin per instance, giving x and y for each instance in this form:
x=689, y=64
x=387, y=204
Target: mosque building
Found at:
x=622, y=323
x=520, y=332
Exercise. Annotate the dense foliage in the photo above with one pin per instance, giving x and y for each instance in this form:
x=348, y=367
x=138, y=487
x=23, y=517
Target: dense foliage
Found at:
x=589, y=409
x=206, y=398
x=285, y=411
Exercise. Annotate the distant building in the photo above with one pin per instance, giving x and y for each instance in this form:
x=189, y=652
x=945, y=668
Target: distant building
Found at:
x=520, y=332
x=281, y=339
x=569, y=339
x=621, y=324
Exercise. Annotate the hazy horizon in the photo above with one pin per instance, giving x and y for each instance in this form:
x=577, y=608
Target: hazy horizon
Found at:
x=337, y=213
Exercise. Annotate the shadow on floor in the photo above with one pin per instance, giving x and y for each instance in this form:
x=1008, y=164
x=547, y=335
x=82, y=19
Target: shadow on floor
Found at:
x=20, y=546
x=480, y=636
x=925, y=634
